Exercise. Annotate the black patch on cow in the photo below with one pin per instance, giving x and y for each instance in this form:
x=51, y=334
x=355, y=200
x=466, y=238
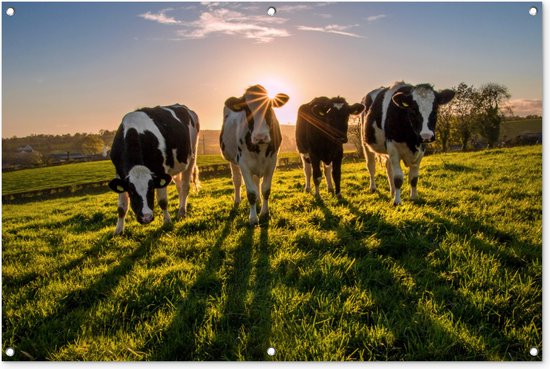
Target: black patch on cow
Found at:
x=121, y=212
x=398, y=182
x=174, y=132
x=266, y=193
x=414, y=181
x=373, y=117
x=241, y=141
x=222, y=145
x=182, y=114
x=251, y=197
x=163, y=203
x=239, y=149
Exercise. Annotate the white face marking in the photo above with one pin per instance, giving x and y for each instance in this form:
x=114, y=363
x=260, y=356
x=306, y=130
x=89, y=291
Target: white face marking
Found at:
x=425, y=100
x=259, y=106
x=140, y=176
x=338, y=106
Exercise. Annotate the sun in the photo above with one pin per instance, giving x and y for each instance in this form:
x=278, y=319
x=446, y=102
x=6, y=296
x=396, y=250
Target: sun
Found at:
x=274, y=86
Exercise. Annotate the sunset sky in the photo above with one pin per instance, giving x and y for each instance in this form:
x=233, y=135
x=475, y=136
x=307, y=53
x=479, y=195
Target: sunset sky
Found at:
x=79, y=67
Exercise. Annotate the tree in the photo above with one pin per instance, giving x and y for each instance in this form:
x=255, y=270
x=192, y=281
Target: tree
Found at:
x=445, y=123
x=92, y=144
x=490, y=111
x=463, y=108
x=354, y=132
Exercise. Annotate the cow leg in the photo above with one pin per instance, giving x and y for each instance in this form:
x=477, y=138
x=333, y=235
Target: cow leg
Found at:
x=183, y=184
x=252, y=194
x=337, y=173
x=389, y=172
x=266, y=191
x=162, y=195
x=329, y=174
x=413, y=179
x=307, y=172
x=237, y=182
x=371, y=166
x=317, y=175
x=122, y=211
x=397, y=176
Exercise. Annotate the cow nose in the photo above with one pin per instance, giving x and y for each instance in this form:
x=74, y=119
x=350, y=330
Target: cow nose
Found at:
x=427, y=136
x=261, y=139
x=147, y=218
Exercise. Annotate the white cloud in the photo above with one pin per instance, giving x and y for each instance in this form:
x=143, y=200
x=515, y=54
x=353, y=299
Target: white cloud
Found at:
x=161, y=17
x=292, y=8
x=224, y=20
x=376, y=17
x=523, y=107
x=332, y=28
x=230, y=22
x=324, y=15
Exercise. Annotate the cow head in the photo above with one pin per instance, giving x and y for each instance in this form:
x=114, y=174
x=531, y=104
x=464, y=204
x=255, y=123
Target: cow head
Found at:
x=140, y=185
x=421, y=104
x=259, y=111
x=335, y=114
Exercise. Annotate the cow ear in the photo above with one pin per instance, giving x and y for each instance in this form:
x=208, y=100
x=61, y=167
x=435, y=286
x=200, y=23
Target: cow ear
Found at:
x=118, y=185
x=356, y=109
x=162, y=181
x=235, y=103
x=279, y=100
x=402, y=100
x=443, y=97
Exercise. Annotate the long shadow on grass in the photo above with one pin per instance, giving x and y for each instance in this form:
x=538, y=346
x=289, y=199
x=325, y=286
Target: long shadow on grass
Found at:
x=181, y=340
x=42, y=337
x=398, y=289
x=234, y=316
x=262, y=303
x=424, y=334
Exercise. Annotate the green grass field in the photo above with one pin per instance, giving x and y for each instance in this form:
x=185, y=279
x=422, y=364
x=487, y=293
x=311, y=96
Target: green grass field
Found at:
x=456, y=275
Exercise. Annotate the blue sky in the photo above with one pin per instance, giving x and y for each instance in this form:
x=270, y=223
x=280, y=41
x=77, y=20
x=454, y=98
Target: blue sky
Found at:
x=80, y=67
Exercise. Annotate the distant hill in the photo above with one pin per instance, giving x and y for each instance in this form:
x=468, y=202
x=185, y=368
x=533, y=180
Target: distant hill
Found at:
x=513, y=128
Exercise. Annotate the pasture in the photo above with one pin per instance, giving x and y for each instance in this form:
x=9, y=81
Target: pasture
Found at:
x=456, y=275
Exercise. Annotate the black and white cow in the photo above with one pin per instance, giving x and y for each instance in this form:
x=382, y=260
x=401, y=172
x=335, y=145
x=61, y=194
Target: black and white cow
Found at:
x=397, y=123
x=250, y=141
x=152, y=146
x=321, y=131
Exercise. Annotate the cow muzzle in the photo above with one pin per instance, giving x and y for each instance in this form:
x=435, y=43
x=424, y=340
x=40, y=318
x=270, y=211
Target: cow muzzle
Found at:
x=260, y=139
x=145, y=218
x=427, y=137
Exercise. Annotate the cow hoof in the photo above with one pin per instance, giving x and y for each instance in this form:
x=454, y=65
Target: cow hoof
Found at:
x=339, y=196
x=372, y=190
x=331, y=191
x=396, y=203
x=307, y=190
x=182, y=213
x=253, y=222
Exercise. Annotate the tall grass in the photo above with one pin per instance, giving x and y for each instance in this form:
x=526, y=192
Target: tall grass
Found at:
x=455, y=275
